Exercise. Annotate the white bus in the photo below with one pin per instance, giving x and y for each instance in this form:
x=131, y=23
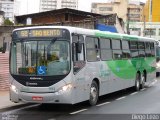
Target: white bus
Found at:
x=68, y=65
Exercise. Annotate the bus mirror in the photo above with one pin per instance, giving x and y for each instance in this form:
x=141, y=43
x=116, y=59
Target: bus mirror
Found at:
x=78, y=47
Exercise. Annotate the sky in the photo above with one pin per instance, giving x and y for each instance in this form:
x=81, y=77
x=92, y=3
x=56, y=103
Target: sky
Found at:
x=32, y=6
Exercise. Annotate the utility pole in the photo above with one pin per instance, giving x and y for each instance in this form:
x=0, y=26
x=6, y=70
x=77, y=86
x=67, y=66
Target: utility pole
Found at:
x=128, y=19
x=144, y=19
x=144, y=25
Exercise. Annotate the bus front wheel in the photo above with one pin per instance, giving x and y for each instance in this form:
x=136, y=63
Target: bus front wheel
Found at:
x=93, y=93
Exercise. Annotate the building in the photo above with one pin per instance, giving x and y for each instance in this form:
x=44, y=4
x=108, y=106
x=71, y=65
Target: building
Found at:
x=8, y=7
x=135, y=12
x=47, y=5
x=116, y=6
x=146, y=29
x=72, y=17
x=1, y=17
x=132, y=10
x=56, y=16
x=152, y=11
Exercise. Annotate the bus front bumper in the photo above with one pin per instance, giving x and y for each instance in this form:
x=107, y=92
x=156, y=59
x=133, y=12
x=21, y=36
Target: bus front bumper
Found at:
x=54, y=97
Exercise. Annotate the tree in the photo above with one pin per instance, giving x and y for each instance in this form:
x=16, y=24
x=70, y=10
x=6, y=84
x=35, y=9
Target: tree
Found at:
x=8, y=22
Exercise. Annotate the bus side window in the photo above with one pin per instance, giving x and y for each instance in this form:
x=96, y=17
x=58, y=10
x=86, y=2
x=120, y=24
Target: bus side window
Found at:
x=141, y=48
x=92, y=46
x=152, y=49
x=78, y=55
x=116, y=47
x=148, y=49
x=105, y=49
x=125, y=49
x=134, y=49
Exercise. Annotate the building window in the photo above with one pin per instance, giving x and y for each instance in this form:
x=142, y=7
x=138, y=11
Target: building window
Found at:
x=150, y=32
x=134, y=15
x=94, y=5
x=105, y=8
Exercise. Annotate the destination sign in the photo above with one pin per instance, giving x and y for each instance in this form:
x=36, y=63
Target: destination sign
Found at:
x=39, y=33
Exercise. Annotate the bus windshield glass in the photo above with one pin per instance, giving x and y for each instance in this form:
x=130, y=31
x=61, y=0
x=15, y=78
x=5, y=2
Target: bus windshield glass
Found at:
x=45, y=56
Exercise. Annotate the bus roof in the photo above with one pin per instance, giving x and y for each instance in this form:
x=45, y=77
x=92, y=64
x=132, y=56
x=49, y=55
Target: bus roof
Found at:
x=97, y=33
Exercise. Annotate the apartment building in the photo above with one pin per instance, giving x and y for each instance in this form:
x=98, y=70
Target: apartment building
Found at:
x=47, y=5
x=115, y=6
x=152, y=11
x=135, y=12
x=147, y=29
x=8, y=7
x=127, y=10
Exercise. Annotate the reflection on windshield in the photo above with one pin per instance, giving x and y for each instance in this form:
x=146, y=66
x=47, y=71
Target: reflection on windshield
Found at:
x=40, y=57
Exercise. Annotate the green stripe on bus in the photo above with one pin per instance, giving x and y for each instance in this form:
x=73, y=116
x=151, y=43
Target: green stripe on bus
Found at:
x=110, y=35
x=126, y=69
x=130, y=38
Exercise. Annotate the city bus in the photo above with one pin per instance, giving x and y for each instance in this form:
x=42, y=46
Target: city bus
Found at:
x=158, y=58
x=94, y=63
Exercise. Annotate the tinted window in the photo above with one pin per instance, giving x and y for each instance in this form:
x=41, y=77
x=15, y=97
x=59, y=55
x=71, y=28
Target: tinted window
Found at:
x=125, y=49
x=105, y=43
x=78, y=56
x=152, y=49
x=147, y=49
x=92, y=46
x=125, y=45
x=105, y=48
x=141, y=48
x=116, y=46
x=134, y=49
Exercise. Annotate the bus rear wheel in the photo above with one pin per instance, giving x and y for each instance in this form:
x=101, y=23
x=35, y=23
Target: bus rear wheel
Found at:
x=137, y=82
x=94, y=93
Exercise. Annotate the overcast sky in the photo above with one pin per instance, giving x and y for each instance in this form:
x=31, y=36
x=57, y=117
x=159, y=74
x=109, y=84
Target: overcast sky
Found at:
x=32, y=6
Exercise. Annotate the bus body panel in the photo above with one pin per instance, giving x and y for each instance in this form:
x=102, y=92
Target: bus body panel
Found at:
x=51, y=94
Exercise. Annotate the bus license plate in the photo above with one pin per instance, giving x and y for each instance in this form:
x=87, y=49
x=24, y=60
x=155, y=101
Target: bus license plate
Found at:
x=37, y=98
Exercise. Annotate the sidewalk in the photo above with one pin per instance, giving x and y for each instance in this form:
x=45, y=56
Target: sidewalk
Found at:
x=5, y=101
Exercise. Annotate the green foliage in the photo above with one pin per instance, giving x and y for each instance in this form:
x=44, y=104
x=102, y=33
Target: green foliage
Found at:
x=8, y=22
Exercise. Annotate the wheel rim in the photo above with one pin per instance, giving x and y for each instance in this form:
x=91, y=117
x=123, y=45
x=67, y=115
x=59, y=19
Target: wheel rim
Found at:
x=143, y=80
x=93, y=94
x=137, y=83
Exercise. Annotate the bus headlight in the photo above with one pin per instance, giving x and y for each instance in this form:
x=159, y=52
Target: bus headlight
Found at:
x=64, y=88
x=14, y=89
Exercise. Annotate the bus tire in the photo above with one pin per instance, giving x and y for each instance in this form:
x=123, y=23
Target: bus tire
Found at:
x=143, y=78
x=94, y=93
x=137, y=82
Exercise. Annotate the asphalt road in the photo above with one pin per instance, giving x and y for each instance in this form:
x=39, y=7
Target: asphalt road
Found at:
x=122, y=105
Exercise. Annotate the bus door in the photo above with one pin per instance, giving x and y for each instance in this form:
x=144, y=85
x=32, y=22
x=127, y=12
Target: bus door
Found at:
x=78, y=67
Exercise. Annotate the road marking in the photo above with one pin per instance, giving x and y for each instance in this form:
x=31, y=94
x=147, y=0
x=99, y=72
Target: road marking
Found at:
x=103, y=104
x=134, y=93
x=143, y=89
x=78, y=111
x=154, y=82
x=121, y=98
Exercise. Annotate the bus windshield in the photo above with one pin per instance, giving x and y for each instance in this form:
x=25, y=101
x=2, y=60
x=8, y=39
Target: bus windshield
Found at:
x=40, y=57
